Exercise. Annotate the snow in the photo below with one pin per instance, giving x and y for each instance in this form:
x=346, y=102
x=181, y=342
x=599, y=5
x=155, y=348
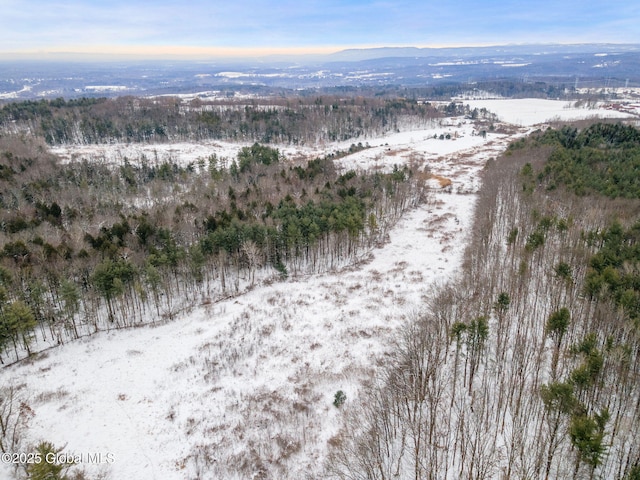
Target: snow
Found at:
x=529, y=112
x=384, y=152
x=15, y=94
x=154, y=154
x=459, y=156
x=256, y=374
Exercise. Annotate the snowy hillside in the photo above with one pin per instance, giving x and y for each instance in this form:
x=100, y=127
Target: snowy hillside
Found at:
x=243, y=388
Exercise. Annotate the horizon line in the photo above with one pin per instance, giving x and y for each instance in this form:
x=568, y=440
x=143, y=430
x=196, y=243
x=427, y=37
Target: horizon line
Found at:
x=193, y=52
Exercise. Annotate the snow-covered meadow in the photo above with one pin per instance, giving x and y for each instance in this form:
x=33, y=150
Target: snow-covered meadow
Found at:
x=243, y=388
x=538, y=111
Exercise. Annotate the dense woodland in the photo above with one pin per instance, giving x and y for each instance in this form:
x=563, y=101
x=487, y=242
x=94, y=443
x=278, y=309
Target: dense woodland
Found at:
x=527, y=366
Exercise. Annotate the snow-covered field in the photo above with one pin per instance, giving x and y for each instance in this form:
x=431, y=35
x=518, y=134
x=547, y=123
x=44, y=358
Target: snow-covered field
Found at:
x=246, y=385
x=536, y=111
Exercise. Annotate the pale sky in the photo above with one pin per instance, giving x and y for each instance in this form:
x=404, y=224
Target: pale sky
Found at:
x=236, y=27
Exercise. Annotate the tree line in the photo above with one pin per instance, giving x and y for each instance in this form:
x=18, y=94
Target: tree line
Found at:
x=296, y=120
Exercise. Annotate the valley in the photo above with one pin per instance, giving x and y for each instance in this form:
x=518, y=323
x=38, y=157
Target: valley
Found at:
x=243, y=386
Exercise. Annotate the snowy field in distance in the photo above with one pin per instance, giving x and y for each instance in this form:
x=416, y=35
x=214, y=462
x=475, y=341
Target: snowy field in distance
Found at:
x=529, y=112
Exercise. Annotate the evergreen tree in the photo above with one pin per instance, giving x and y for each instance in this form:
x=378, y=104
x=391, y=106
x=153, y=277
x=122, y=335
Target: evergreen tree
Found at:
x=47, y=468
x=20, y=322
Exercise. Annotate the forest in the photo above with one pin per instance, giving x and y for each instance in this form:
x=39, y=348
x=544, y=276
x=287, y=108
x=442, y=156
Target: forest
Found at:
x=297, y=120
x=527, y=365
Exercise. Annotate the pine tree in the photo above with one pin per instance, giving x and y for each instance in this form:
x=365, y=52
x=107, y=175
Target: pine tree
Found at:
x=20, y=321
x=47, y=468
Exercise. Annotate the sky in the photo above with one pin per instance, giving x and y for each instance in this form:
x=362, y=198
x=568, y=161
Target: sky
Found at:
x=250, y=27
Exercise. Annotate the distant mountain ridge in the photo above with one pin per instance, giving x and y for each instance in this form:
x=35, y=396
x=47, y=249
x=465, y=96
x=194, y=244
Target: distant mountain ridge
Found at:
x=358, y=54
